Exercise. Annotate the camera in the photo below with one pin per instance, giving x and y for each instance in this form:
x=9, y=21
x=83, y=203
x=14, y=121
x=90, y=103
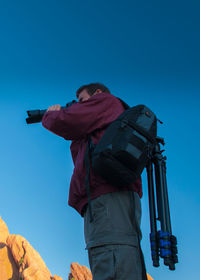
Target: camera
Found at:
x=35, y=116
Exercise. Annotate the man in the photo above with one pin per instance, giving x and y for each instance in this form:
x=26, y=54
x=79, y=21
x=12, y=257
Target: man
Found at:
x=113, y=236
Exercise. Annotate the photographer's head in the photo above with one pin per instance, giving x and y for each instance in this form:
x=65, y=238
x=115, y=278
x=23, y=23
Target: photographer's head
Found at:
x=86, y=91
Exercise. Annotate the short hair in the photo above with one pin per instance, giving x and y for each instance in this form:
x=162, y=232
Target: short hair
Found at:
x=91, y=88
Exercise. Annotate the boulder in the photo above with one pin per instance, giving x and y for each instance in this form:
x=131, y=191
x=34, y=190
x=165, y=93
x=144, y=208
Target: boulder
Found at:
x=19, y=260
x=55, y=277
x=80, y=272
x=149, y=277
x=8, y=268
x=3, y=231
x=30, y=264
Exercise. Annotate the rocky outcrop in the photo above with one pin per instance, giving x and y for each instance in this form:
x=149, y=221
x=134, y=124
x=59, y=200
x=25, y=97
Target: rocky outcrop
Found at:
x=149, y=277
x=80, y=272
x=20, y=261
x=56, y=278
x=4, y=232
x=8, y=267
x=28, y=259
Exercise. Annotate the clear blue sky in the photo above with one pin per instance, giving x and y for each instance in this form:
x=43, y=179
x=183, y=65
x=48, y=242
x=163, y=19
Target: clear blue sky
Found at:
x=145, y=52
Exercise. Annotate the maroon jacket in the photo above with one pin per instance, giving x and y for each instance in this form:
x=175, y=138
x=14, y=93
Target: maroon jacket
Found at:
x=76, y=123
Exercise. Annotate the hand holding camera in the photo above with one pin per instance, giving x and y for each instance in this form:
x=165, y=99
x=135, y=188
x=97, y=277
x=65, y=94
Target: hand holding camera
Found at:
x=35, y=116
x=54, y=108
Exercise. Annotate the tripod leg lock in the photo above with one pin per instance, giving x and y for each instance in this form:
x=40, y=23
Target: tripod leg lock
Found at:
x=168, y=249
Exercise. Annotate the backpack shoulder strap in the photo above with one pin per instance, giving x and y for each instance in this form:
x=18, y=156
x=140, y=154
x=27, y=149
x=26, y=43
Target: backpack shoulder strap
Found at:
x=87, y=178
x=126, y=106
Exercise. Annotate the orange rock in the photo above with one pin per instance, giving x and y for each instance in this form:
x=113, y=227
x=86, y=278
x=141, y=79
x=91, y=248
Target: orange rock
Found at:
x=80, y=272
x=3, y=231
x=19, y=260
x=34, y=273
x=87, y=272
x=8, y=268
x=149, y=277
x=30, y=264
x=3, y=273
x=55, y=277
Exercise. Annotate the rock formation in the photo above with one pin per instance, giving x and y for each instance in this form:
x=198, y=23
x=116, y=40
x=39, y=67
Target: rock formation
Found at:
x=81, y=272
x=8, y=267
x=19, y=261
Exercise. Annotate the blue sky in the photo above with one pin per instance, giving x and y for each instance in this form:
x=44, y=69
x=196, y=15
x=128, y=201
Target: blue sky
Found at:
x=146, y=52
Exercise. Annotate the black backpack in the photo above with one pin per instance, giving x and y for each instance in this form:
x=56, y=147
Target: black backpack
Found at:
x=125, y=148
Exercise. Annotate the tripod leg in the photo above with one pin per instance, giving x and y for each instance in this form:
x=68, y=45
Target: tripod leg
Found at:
x=166, y=242
x=160, y=193
x=152, y=211
x=165, y=193
x=174, y=258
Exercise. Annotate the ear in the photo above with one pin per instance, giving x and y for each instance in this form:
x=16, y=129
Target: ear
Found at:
x=98, y=91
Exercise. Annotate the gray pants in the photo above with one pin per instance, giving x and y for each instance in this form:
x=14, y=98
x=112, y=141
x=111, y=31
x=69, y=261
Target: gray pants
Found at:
x=115, y=262
x=112, y=237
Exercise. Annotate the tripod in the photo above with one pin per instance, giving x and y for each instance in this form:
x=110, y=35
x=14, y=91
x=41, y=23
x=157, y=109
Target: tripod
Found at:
x=163, y=243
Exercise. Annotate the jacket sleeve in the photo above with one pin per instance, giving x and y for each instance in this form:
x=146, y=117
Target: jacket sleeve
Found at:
x=81, y=119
